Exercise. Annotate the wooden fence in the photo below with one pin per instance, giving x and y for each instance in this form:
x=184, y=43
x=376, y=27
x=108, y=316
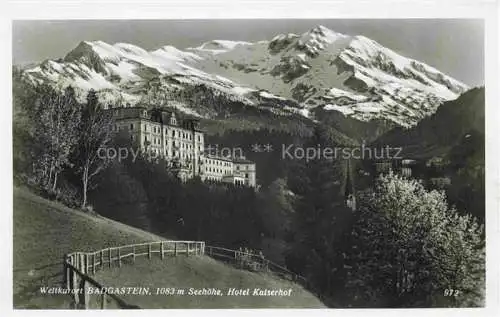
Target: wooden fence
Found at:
x=253, y=262
x=78, y=267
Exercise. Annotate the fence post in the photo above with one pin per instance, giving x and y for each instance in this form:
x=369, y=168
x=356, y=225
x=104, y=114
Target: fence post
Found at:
x=187, y=249
x=119, y=258
x=149, y=251
x=175, y=248
x=102, y=258
x=82, y=263
x=133, y=253
x=76, y=286
x=93, y=263
x=103, y=300
x=65, y=272
x=87, y=263
x=109, y=255
x=85, y=295
x=161, y=250
x=70, y=274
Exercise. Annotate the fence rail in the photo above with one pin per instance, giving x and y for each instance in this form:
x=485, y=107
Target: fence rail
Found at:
x=78, y=267
x=253, y=262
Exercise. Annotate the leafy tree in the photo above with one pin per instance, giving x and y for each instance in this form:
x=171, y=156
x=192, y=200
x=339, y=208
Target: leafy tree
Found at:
x=54, y=120
x=409, y=247
x=95, y=134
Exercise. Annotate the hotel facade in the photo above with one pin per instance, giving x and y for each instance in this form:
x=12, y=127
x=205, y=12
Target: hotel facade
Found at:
x=182, y=143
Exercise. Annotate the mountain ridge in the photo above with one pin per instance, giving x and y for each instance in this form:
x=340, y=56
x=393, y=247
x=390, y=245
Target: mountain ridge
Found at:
x=299, y=73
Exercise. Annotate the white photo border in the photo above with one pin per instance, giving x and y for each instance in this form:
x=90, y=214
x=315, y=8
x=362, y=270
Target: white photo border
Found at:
x=259, y=9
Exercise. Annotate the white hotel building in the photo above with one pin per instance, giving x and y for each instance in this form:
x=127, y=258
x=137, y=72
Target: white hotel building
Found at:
x=182, y=143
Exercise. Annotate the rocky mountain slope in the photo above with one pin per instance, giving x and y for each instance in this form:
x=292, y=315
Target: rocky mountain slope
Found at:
x=292, y=73
x=451, y=127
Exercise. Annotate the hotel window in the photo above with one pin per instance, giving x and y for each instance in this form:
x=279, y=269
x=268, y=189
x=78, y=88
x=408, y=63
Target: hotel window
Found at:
x=131, y=126
x=173, y=133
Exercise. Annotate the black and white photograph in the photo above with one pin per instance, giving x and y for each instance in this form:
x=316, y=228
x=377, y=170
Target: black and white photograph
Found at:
x=292, y=163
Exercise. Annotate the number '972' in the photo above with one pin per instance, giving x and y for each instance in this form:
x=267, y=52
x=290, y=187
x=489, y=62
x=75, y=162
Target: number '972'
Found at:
x=451, y=292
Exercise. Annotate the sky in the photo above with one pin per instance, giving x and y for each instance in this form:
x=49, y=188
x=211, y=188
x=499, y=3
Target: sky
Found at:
x=454, y=46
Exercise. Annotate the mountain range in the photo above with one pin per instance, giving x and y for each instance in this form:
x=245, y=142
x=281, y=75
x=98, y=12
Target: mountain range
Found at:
x=318, y=75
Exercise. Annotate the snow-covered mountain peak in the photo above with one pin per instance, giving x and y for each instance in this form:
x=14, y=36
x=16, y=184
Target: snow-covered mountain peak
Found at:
x=323, y=33
x=218, y=46
x=317, y=39
x=371, y=59
x=318, y=69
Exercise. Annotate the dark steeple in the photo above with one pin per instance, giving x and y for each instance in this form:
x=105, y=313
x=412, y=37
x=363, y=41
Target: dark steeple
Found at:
x=349, y=192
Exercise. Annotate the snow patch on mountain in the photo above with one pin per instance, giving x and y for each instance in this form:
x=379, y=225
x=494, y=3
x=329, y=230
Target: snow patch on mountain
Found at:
x=217, y=46
x=296, y=73
x=319, y=66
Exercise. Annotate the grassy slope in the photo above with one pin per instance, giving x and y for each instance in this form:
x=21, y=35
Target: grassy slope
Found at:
x=44, y=231
x=199, y=273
